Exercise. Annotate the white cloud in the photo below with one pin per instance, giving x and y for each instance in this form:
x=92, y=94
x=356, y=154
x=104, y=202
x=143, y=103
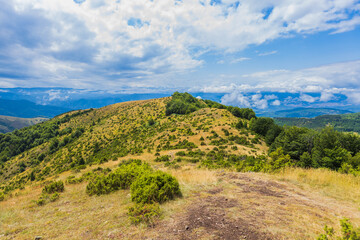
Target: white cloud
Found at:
x=326, y=96
x=63, y=43
x=237, y=60
x=276, y=103
x=308, y=98
x=267, y=53
x=338, y=78
x=237, y=98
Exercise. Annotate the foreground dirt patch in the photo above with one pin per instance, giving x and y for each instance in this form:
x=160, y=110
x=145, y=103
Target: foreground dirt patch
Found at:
x=208, y=218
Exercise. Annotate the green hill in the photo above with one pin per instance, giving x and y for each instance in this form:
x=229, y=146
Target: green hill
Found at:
x=303, y=113
x=344, y=122
x=27, y=109
x=171, y=168
x=8, y=124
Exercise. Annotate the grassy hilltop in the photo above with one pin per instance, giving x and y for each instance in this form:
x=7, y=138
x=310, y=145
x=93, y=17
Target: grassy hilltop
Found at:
x=169, y=168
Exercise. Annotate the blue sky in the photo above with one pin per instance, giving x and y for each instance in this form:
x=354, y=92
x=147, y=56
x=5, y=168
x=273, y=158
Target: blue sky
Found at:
x=240, y=48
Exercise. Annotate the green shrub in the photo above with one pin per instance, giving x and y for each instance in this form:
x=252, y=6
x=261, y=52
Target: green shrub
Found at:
x=121, y=178
x=54, y=187
x=144, y=213
x=55, y=196
x=42, y=200
x=183, y=103
x=164, y=158
x=154, y=187
x=2, y=196
x=347, y=230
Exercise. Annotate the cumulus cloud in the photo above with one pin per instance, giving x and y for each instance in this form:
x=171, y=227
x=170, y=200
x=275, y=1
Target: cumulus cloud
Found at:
x=237, y=98
x=308, y=98
x=81, y=43
x=276, y=103
x=338, y=78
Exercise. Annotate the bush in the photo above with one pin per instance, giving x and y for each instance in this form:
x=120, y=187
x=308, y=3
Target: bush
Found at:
x=164, y=158
x=121, y=178
x=348, y=232
x=144, y=213
x=154, y=187
x=183, y=103
x=2, y=196
x=55, y=196
x=54, y=187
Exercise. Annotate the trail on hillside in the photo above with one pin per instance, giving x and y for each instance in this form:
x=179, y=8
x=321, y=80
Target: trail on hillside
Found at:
x=250, y=207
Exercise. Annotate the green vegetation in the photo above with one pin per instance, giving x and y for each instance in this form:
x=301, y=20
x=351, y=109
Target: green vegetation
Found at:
x=183, y=103
x=155, y=187
x=144, y=213
x=54, y=187
x=146, y=185
x=344, y=122
x=2, y=196
x=18, y=141
x=327, y=148
x=348, y=232
x=8, y=124
x=121, y=178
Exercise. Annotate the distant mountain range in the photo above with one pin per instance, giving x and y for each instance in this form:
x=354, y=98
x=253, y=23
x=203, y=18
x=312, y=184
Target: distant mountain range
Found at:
x=8, y=124
x=303, y=113
x=27, y=109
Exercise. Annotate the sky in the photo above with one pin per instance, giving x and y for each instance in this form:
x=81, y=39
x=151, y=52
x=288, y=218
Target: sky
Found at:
x=249, y=50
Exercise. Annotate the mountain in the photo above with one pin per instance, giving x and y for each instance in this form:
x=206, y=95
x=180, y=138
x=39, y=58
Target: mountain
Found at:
x=164, y=168
x=345, y=122
x=303, y=113
x=27, y=109
x=8, y=124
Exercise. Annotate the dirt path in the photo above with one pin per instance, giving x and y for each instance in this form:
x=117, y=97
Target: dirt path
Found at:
x=249, y=206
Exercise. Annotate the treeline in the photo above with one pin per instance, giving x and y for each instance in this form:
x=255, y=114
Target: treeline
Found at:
x=185, y=103
x=343, y=122
x=309, y=148
x=18, y=141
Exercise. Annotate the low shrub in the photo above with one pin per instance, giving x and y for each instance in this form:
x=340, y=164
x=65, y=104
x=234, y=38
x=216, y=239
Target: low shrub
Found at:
x=55, y=196
x=347, y=230
x=2, y=196
x=54, y=187
x=121, y=178
x=154, y=187
x=144, y=213
x=164, y=158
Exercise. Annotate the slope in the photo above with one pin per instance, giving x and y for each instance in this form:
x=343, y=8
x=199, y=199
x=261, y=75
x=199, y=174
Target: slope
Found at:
x=343, y=122
x=27, y=109
x=201, y=149
x=8, y=124
x=303, y=112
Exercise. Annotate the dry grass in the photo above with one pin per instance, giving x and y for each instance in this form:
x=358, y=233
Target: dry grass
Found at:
x=329, y=183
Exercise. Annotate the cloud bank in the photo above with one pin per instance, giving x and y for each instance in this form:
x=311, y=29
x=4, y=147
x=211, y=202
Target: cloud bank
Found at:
x=107, y=44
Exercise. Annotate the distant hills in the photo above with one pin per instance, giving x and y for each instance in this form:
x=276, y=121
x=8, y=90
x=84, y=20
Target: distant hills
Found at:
x=8, y=124
x=27, y=109
x=303, y=113
x=342, y=122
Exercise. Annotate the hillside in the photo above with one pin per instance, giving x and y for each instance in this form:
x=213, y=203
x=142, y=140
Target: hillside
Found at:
x=203, y=149
x=344, y=122
x=303, y=113
x=8, y=124
x=27, y=109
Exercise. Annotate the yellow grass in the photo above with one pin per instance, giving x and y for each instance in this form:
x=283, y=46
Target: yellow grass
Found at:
x=329, y=183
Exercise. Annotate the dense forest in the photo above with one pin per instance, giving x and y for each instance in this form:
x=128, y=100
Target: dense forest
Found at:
x=343, y=122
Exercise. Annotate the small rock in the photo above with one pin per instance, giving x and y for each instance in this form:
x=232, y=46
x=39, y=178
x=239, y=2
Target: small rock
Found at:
x=187, y=228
